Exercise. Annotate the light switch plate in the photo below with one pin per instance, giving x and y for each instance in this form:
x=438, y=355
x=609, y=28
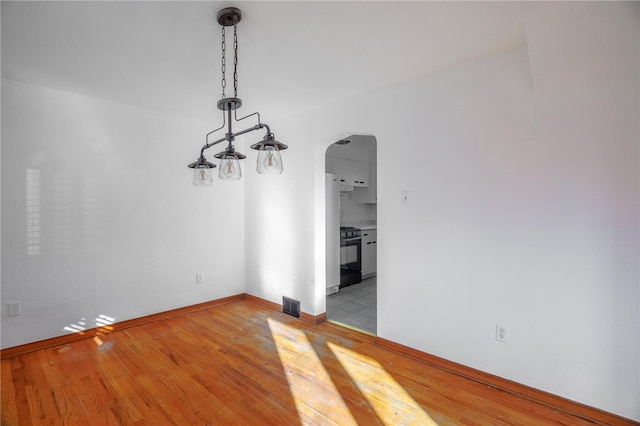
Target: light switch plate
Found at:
x=405, y=197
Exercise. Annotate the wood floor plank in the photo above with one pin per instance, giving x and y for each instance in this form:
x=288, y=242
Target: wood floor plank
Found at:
x=9, y=412
x=21, y=401
x=241, y=363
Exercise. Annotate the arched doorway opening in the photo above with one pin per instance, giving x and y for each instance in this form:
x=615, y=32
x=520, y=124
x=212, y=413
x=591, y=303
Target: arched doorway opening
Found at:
x=350, y=171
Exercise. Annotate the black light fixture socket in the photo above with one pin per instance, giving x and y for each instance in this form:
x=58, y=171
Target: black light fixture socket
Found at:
x=202, y=162
x=269, y=140
x=230, y=151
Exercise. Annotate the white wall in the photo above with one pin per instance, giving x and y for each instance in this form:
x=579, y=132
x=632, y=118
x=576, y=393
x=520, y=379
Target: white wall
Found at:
x=113, y=225
x=524, y=211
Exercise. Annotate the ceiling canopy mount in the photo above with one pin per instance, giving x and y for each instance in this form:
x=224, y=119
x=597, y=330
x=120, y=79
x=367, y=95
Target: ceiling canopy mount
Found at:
x=229, y=16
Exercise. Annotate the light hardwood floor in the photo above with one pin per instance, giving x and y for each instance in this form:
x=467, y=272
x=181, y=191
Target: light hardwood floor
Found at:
x=241, y=363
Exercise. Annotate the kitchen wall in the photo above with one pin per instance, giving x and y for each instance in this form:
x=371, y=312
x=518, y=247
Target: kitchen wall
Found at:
x=100, y=221
x=353, y=213
x=522, y=172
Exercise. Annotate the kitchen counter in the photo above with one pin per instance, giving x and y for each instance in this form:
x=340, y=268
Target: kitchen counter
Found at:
x=365, y=226
x=368, y=226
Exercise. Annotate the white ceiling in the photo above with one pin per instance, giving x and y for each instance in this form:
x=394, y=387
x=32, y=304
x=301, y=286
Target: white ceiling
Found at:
x=292, y=55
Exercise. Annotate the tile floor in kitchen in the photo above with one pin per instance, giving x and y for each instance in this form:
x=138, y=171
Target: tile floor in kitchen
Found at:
x=355, y=306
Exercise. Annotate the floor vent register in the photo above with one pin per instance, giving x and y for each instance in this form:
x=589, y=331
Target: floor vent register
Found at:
x=291, y=306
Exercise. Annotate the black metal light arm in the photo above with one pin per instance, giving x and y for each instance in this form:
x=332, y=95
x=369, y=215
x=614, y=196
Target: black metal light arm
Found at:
x=231, y=136
x=235, y=116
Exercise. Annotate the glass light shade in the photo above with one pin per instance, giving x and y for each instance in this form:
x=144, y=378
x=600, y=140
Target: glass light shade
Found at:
x=229, y=168
x=202, y=176
x=269, y=160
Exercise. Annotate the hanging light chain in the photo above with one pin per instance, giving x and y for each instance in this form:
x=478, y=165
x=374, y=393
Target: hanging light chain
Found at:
x=224, y=63
x=235, y=57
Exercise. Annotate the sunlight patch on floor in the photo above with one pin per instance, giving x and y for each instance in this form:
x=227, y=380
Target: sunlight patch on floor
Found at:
x=104, y=325
x=392, y=404
x=311, y=383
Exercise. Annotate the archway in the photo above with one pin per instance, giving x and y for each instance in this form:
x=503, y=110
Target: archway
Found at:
x=361, y=148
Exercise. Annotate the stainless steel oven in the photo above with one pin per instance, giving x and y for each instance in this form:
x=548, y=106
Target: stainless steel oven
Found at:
x=350, y=256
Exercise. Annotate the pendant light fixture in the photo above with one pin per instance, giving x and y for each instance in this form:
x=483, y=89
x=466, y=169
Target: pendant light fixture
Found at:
x=269, y=159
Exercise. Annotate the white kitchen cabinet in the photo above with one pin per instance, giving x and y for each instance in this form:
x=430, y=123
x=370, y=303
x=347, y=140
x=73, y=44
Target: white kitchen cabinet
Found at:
x=368, y=195
x=353, y=173
x=369, y=253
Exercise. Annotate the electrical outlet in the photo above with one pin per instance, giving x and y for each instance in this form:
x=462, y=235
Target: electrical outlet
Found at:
x=501, y=333
x=198, y=278
x=13, y=309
